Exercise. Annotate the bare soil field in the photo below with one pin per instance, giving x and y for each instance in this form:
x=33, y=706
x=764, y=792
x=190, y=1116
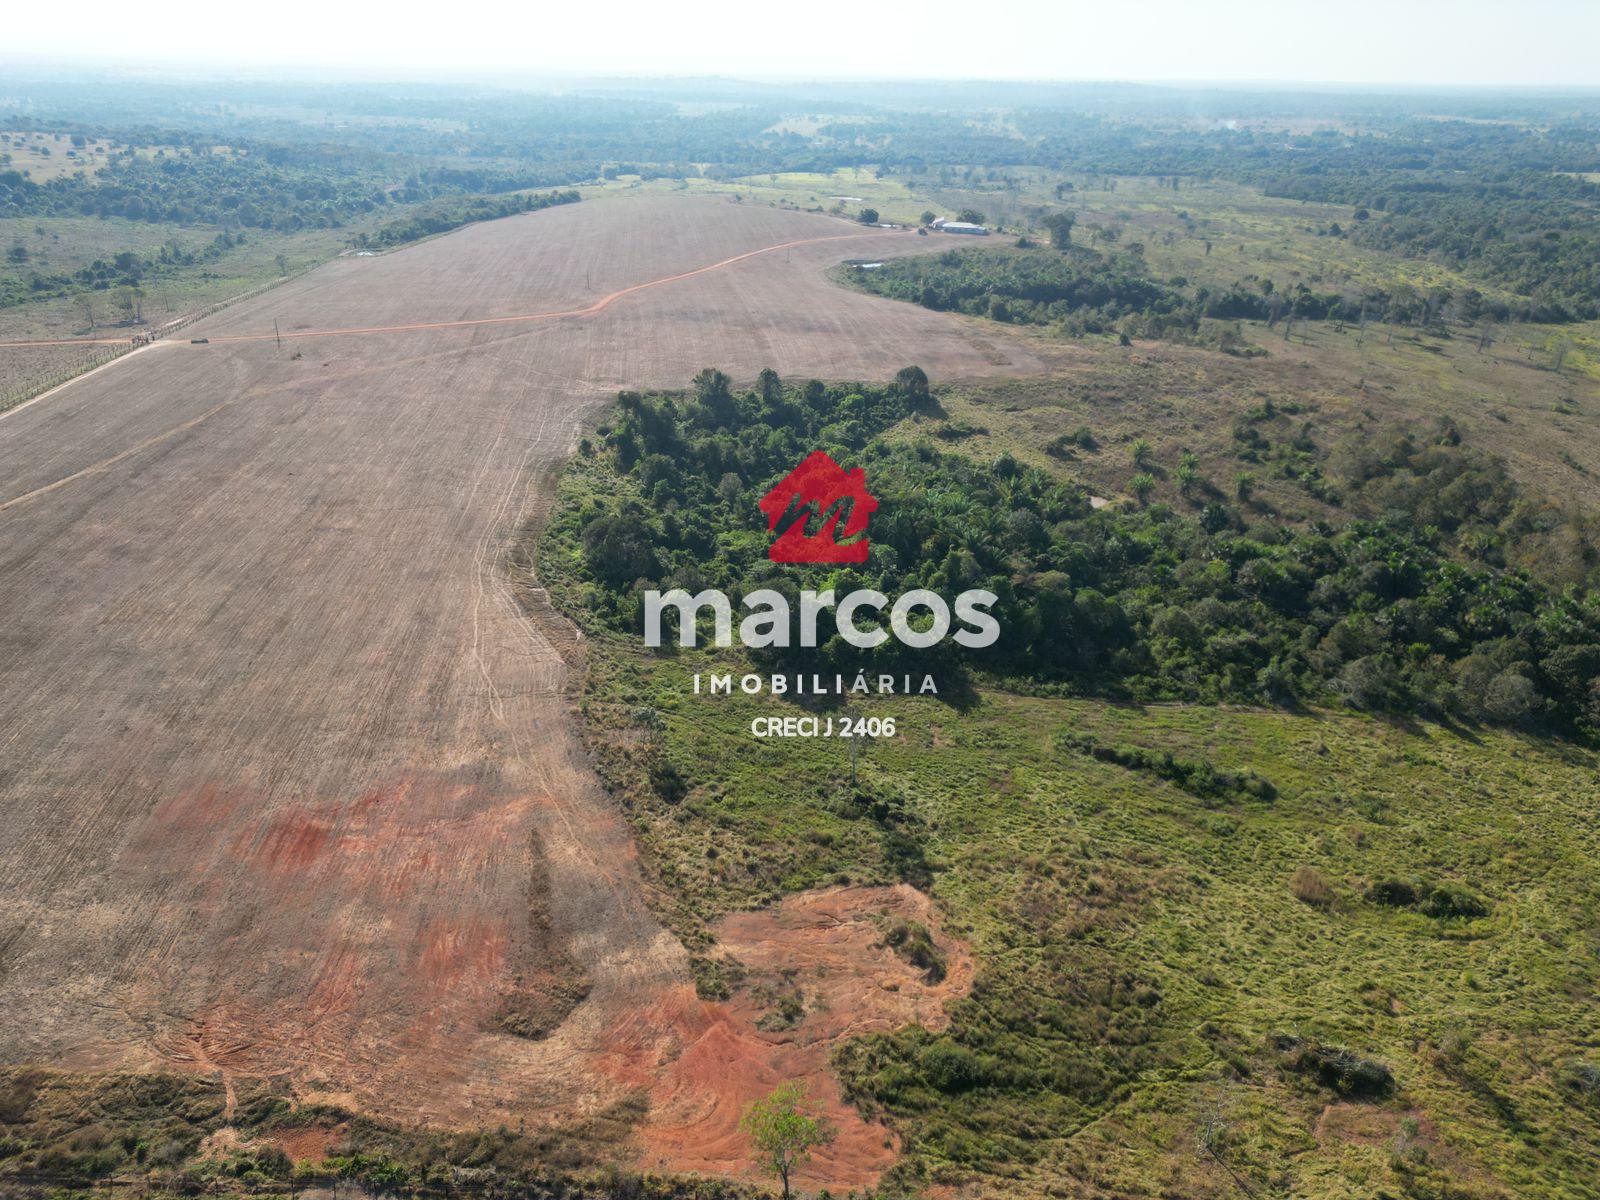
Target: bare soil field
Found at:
x=289, y=787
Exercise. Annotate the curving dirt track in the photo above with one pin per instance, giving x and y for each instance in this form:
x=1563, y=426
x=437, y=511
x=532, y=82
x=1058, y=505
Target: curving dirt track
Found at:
x=284, y=767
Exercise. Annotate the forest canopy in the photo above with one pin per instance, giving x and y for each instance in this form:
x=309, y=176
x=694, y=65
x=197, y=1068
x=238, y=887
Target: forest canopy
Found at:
x=1388, y=612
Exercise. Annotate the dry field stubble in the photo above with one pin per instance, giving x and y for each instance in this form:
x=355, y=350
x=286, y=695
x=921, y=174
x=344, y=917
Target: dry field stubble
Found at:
x=288, y=784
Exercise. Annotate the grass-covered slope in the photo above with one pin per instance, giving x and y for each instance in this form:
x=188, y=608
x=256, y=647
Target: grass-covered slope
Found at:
x=1220, y=949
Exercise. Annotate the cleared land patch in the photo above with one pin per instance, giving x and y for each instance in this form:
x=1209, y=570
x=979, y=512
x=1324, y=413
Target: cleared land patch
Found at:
x=284, y=751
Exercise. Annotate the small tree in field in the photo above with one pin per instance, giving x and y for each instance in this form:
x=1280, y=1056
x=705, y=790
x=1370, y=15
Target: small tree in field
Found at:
x=912, y=383
x=784, y=1128
x=1059, y=226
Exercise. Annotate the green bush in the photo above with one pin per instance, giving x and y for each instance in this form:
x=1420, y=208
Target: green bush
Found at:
x=1582, y=1079
x=1393, y=893
x=904, y=857
x=376, y=1172
x=1448, y=900
x=950, y=1068
x=1339, y=1068
x=912, y=942
x=666, y=780
x=1199, y=779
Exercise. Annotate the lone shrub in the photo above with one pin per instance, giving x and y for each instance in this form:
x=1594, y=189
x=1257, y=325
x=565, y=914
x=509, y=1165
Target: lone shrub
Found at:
x=1582, y=1079
x=1395, y=893
x=1449, y=900
x=1310, y=886
x=951, y=1068
x=1339, y=1068
x=1442, y=901
x=912, y=942
x=666, y=780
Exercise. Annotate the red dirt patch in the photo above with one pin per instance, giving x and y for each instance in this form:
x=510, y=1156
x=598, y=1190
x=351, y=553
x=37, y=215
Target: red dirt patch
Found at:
x=1365, y=1125
x=828, y=945
x=292, y=842
x=334, y=881
x=309, y=1144
x=1356, y=1124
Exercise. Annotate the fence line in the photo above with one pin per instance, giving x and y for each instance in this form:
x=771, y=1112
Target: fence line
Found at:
x=66, y=374
x=99, y=359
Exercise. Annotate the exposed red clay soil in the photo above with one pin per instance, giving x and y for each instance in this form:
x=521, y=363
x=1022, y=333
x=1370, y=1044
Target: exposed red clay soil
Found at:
x=309, y=1143
x=370, y=952
x=851, y=982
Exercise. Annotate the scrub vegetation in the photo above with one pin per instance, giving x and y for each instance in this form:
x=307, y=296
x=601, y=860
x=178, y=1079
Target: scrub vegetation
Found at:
x=1285, y=944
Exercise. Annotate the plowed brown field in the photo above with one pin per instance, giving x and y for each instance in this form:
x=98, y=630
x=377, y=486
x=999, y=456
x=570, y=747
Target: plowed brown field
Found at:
x=284, y=766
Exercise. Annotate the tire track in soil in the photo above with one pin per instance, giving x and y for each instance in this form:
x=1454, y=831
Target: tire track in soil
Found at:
x=106, y=463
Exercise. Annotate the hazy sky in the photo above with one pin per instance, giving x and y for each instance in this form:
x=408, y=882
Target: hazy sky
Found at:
x=1538, y=42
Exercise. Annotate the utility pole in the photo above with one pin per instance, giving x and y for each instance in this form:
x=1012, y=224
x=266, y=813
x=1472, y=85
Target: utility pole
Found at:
x=276, y=334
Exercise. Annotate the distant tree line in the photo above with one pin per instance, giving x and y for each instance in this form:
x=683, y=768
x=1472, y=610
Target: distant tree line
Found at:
x=453, y=214
x=275, y=188
x=1505, y=201
x=1084, y=291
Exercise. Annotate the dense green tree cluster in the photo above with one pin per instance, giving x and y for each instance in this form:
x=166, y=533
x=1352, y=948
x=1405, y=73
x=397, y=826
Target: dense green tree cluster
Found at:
x=1390, y=612
x=1084, y=291
x=1026, y=288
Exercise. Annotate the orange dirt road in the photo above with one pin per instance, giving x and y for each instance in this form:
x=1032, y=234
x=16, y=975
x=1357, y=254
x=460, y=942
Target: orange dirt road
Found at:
x=281, y=754
x=598, y=306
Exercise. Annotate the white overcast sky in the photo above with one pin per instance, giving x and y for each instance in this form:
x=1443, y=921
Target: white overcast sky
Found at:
x=1465, y=42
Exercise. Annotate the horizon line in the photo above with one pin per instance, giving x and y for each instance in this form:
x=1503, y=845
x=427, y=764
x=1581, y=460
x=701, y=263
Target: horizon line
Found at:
x=292, y=71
